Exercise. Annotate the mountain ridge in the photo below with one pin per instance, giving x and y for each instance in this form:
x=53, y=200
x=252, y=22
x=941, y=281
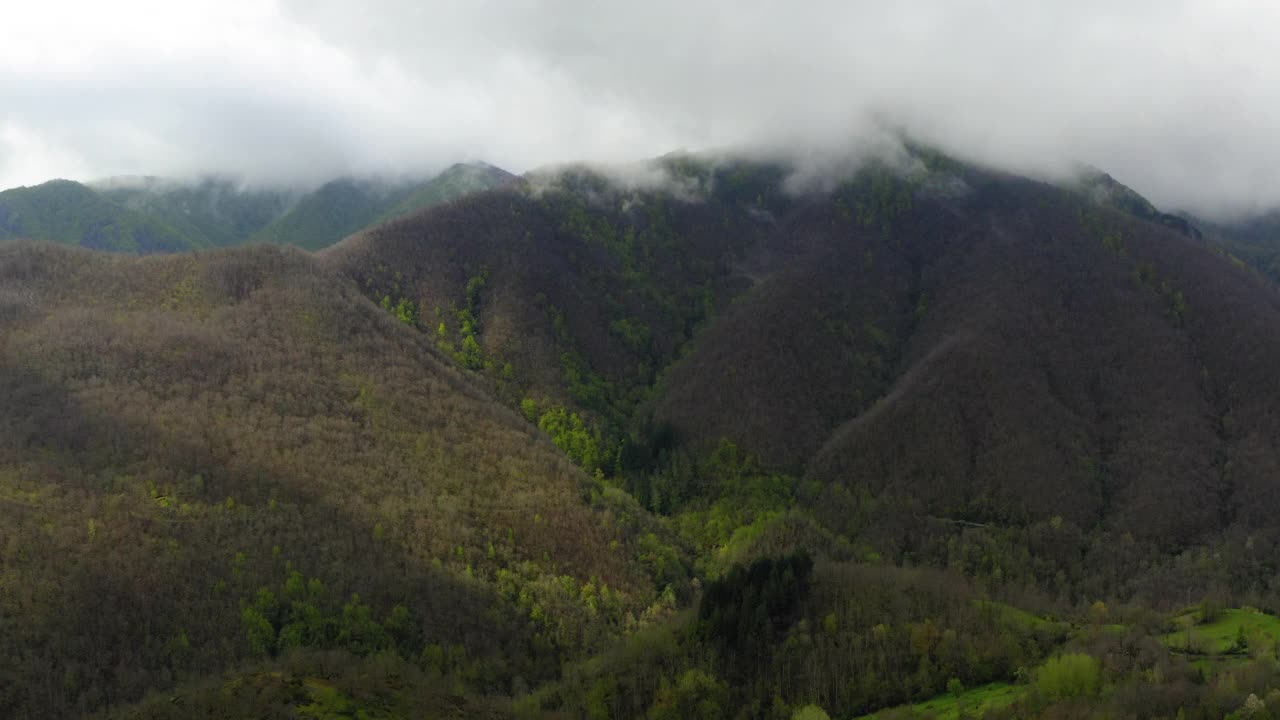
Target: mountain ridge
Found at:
x=151, y=214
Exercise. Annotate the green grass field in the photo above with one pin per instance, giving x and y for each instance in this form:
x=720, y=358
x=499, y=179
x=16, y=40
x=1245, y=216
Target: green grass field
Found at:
x=974, y=701
x=1260, y=631
x=1018, y=617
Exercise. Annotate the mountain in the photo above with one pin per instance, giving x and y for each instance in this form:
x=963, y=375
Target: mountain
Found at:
x=456, y=181
x=835, y=333
x=68, y=212
x=201, y=451
x=342, y=207
x=150, y=215
x=696, y=441
x=1105, y=190
x=1254, y=241
x=217, y=211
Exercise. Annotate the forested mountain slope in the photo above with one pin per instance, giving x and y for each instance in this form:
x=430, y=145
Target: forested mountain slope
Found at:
x=1253, y=240
x=693, y=441
x=341, y=207
x=216, y=457
x=994, y=348
x=216, y=210
x=68, y=212
x=156, y=215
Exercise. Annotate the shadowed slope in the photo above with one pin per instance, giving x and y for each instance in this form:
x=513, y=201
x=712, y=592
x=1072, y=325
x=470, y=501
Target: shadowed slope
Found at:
x=189, y=431
x=991, y=347
x=1078, y=363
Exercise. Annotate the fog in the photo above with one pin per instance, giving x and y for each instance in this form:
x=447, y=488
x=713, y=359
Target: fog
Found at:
x=1175, y=99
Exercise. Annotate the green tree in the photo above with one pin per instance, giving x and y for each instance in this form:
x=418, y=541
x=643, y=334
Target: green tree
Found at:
x=259, y=631
x=810, y=712
x=697, y=695
x=1068, y=676
x=358, y=631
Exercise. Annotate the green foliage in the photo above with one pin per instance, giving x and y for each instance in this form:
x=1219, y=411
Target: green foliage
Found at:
x=303, y=617
x=344, y=206
x=635, y=334
x=529, y=408
x=467, y=351
x=475, y=286
x=584, y=445
x=981, y=701
x=258, y=631
x=471, y=356
x=403, y=309
x=1227, y=630
x=70, y=213
x=696, y=695
x=570, y=616
x=454, y=183
x=359, y=633
x=810, y=712
x=736, y=503
x=213, y=212
x=1071, y=675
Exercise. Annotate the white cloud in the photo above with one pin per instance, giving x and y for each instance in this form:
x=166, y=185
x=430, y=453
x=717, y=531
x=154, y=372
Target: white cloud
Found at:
x=1175, y=98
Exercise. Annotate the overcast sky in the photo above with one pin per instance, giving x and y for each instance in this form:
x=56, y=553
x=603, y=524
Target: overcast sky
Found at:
x=1180, y=100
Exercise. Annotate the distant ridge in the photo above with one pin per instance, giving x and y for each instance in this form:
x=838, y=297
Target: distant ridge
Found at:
x=344, y=206
x=144, y=215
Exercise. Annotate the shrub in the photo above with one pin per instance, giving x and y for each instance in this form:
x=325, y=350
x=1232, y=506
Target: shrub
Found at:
x=1068, y=676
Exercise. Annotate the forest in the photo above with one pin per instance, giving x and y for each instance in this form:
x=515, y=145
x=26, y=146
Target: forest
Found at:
x=935, y=441
x=148, y=215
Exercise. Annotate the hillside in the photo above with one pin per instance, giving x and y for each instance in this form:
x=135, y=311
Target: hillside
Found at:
x=455, y=182
x=213, y=458
x=1254, y=241
x=688, y=442
x=68, y=212
x=997, y=349
x=153, y=215
x=341, y=207
x=217, y=211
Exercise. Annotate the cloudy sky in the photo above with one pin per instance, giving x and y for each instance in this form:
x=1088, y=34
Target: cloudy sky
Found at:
x=1179, y=99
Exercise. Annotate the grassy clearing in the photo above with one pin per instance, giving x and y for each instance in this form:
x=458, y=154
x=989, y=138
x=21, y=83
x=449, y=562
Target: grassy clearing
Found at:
x=1259, y=631
x=1019, y=618
x=974, y=702
x=1214, y=665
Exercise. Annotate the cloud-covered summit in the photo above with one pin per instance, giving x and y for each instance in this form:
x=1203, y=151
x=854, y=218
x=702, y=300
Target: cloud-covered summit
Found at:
x=1173, y=98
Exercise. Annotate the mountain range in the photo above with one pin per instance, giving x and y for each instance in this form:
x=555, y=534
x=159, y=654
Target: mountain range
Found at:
x=577, y=444
x=148, y=215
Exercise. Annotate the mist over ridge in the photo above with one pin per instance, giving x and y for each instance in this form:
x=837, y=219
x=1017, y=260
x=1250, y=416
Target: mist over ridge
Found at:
x=1170, y=98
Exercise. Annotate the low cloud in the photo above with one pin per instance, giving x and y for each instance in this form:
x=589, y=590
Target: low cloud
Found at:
x=1174, y=98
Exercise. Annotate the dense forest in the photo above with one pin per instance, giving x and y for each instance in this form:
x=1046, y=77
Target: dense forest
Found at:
x=930, y=440
x=156, y=215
